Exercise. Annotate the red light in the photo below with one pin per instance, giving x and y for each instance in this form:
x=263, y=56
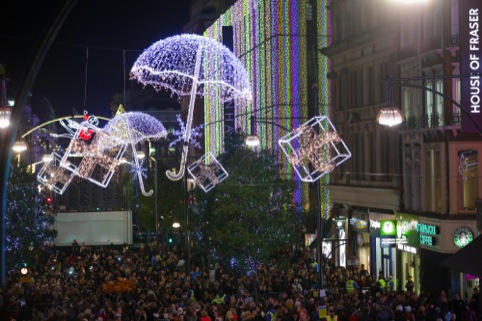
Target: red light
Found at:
x=48, y=200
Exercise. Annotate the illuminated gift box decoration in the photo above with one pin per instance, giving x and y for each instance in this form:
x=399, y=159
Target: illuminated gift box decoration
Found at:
x=54, y=177
x=314, y=149
x=98, y=157
x=207, y=172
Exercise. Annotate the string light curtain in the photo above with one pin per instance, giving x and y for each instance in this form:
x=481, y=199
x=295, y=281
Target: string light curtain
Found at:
x=270, y=40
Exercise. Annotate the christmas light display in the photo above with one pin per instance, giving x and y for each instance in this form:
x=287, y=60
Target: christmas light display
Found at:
x=314, y=149
x=94, y=154
x=28, y=221
x=53, y=176
x=269, y=37
x=196, y=132
x=192, y=65
x=207, y=172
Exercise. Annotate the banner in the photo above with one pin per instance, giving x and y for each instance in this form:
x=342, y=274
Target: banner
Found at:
x=470, y=15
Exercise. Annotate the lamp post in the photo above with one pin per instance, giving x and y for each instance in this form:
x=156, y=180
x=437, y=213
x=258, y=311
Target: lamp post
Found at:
x=392, y=115
x=156, y=198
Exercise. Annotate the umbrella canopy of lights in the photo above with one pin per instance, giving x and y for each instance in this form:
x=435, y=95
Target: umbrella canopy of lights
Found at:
x=94, y=153
x=314, y=149
x=192, y=65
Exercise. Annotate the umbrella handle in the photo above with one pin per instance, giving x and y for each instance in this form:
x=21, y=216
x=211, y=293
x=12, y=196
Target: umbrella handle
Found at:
x=141, y=185
x=172, y=175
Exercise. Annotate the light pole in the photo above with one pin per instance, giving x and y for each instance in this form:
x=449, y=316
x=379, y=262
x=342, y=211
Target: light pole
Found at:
x=392, y=115
x=5, y=155
x=156, y=198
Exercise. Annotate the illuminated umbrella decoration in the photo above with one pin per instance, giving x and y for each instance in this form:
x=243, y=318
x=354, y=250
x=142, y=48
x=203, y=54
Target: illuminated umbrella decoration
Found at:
x=133, y=128
x=196, y=66
x=98, y=148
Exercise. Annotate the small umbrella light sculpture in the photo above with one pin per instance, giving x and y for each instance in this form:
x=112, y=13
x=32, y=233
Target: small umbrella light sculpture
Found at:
x=192, y=65
x=314, y=149
x=94, y=154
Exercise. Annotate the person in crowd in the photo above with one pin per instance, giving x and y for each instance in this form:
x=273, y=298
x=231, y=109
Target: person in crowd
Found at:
x=410, y=284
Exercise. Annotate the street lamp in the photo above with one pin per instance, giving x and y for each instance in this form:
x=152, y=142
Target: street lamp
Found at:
x=5, y=112
x=392, y=115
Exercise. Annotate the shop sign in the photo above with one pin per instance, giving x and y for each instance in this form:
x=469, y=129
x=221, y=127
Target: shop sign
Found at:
x=358, y=225
x=406, y=230
x=388, y=241
x=463, y=236
x=407, y=248
x=388, y=228
x=374, y=228
x=428, y=234
x=470, y=16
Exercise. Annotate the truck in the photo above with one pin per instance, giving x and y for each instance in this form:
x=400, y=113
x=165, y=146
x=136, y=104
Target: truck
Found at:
x=94, y=228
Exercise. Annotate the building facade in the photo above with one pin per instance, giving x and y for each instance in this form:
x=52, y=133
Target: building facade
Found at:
x=423, y=174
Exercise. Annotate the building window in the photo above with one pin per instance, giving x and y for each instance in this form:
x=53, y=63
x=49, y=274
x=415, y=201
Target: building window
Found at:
x=439, y=103
x=429, y=104
x=468, y=179
x=406, y=103
x=433, y=180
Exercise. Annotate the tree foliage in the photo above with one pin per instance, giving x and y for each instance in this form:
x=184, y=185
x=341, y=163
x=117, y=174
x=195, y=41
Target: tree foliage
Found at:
x=28, y=222
x=169, y=193
x=250, y=217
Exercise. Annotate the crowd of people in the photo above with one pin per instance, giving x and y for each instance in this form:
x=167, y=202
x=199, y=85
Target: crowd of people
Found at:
x=153, y=284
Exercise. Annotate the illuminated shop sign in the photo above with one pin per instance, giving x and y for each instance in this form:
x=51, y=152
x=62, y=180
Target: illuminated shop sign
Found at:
x=388, y=232
x=470, y=17
x=406, y=230
x=358, y=224
x=374, y=227
x=463, y=236
x=388, y=228
x=428, y=234
x=407, y=248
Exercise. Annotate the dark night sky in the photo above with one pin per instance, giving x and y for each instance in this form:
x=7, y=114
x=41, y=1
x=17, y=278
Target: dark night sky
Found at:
x=106, y=27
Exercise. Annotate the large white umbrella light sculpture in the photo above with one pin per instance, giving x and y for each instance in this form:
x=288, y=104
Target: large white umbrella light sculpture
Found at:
x=192, y=65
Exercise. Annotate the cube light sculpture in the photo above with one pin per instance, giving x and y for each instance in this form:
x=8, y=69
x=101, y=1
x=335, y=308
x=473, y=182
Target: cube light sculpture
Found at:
x=208, y=172
x=314, y=149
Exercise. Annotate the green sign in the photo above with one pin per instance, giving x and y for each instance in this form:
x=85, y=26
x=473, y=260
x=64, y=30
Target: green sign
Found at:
x=463, y=236
x=427, y=240
x=429, y=229
x=388, y=228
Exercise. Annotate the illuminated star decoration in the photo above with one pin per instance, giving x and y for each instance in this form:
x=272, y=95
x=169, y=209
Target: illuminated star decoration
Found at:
x=314, y=149
x=192, y=65
x=195, y=133
x=97, y=158
x=207, y=172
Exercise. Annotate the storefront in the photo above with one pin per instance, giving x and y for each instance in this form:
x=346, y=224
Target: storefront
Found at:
x=382, y=245
x=360, y=239
x=407, y=244
x=438, y=240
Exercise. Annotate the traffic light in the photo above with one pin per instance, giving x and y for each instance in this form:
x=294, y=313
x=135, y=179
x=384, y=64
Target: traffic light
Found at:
x=48, y=201
x=170, y=240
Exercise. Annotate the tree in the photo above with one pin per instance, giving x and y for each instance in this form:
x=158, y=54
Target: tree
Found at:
x=28, y=224
x=169, y=193
x=250, y=217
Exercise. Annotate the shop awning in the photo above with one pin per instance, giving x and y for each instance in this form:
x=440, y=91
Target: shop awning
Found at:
x=468, y=259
